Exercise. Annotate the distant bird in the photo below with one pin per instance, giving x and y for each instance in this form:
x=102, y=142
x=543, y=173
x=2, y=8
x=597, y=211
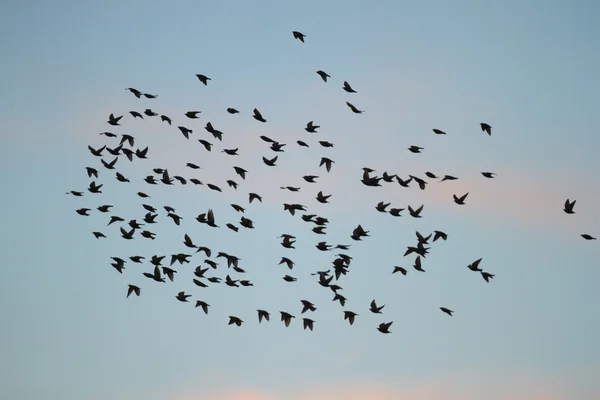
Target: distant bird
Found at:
x=375, y=309
x=307, y=323
x=231, y=110
x=181, y=296
x=192, y=114
x=460, y=200
x=399, y=269
x=354, y=109
x=203, y=304
x=136, y=92
x=263, y=314
x=447, y=311
x=415, y=149
x=112, y=120
x=133, y=289
x=323, y=75
x=486, y=128
x=311, y=128
x=258, y=116
x=203, y=78
x=569, y=206
x=438, y=132
x=385, y=327
x=588, y=237
x=298, y=35
x=348, y=88
x=439, y=235
x=488, y=174
x=350, y=316
x=286, y=318
x=235, y=320
x=487, y=276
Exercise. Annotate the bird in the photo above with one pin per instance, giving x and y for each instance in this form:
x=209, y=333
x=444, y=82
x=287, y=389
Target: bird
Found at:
x=203, y=78
x=133, y=289
x=112, y=120
x=486, y=128
x=354, y=109
x=348, y=88
x=262, y=314
x=460, y=200
x=324, y=75
x=385, y=327
x=311, y=128
x=307, y=323
x=375, y=309
x=258, y=116
x=298, y=35
x=569, y=206
x=447, y=311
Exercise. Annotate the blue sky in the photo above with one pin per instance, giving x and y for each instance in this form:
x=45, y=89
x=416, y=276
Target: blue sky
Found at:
x=528, y=68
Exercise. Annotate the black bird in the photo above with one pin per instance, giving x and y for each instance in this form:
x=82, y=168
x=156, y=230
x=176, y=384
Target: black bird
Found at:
x=460, y=200
x=136, y=92
x=486, y=128
x=307, y=323
x=311, y=128
x=415, y=149
x=569, y=206
x=438, y=132
x=112, y=120
x=350, y=316
x=327, y=162
x=354, y=109
x=439, y=235
x=385, y=327
x=323, y=75
x=375, y=309
x=203, y=304
x=133, y=289
x=488, y=174
x=203, y=78
x=263, y=314
x=447, y=311
x=235, y=320
x=588, y=237
x=286, y=318
x=258, y=116
x=271, y=162
x=348, y=88
x=192, y=114
x=232, y=111
x=299, y=35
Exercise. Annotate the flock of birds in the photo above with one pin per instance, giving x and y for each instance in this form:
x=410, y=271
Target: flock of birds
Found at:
x=125, y=146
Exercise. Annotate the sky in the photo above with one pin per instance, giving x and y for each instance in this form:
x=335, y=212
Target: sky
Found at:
x=528, y=68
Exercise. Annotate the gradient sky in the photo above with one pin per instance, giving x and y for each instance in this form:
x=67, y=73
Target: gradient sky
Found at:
x=528, y=68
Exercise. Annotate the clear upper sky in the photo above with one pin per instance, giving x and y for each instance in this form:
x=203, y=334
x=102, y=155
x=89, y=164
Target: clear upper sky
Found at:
x=528, y=68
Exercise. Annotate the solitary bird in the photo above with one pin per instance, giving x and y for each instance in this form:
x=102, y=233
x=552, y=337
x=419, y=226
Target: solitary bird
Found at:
x=486, y=128
x=203, y=78
x=299, y=35
x=447, y=311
